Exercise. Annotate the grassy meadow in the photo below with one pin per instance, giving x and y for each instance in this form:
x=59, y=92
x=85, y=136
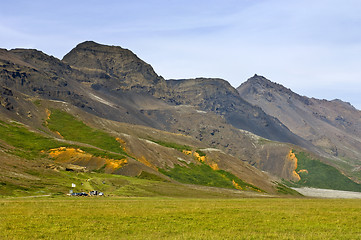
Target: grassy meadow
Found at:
x=179, y=218
x=149, y=206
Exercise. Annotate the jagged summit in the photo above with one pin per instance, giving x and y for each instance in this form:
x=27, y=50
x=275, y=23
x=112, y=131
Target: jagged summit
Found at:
x=260, y=82
x=263, y=88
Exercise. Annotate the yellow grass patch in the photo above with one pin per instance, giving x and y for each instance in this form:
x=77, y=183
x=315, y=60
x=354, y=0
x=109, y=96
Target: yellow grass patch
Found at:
x=202, y=159
x=76, y=155
x=303, y=171
x=122, y=143
x=143, y=160
x=292, y=158
x=187, y=152
x=236, y=185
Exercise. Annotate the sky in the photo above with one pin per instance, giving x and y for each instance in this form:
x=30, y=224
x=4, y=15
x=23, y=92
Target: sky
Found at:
x=312, y=47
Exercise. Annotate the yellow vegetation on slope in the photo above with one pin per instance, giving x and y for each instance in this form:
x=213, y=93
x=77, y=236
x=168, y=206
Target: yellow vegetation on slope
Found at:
x=59, y=134
x=187, y=152
x=74, y=155
x=303, y=171
x=48, y=113
x=198, y=157
x=292, y=158
x=236, y=185
x=202, y=159
x=122, y=143
x=115, y=164
x=143, y=160
x=214, y=166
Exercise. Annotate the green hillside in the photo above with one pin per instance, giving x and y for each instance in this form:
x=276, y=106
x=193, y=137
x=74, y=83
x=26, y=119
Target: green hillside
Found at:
x=37, y=179
x=204, y=175
x=317, y=174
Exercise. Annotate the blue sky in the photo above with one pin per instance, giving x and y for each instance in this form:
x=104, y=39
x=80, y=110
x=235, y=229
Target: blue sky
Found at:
x=312, y=47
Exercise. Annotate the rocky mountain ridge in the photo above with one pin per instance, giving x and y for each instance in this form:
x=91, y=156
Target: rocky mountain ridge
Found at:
x=111, y=84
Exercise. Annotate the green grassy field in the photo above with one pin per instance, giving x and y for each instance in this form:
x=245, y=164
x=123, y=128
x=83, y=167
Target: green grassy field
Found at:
x=174, y=218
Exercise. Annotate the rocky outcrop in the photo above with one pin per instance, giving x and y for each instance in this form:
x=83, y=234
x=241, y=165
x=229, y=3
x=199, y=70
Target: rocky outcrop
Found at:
x=5, y=102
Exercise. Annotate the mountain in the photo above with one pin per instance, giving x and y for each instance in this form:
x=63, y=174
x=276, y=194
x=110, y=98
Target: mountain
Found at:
x=101, y=109
x=334, y=126
x=114, y=68
x=218, y=96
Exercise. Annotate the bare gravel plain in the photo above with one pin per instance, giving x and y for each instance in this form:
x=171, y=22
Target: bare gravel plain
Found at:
x=327, y=193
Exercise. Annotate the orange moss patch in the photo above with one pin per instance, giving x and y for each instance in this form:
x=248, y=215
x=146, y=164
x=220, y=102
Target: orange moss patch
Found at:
x=68, y=152
x=236, y=185
x=292, y=158
x=122, y=143
x=195, y=155
x=202, y=159
x=143, y=160
x=303, y=171
x=59, y=134
x=187, y=152
x=198, y=157
x=76, y=155
x=48, y=113
x=214, y=166
x=115, y=164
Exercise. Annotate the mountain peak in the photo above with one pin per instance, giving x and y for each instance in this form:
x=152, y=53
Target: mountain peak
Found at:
x=261, y=85
x=259, y=79
x=113, y=66
x=94, y=48
x=87, y=43
x=91, y=45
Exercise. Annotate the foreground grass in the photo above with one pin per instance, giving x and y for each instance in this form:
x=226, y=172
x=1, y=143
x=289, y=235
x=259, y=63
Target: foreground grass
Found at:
x=162, y=218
